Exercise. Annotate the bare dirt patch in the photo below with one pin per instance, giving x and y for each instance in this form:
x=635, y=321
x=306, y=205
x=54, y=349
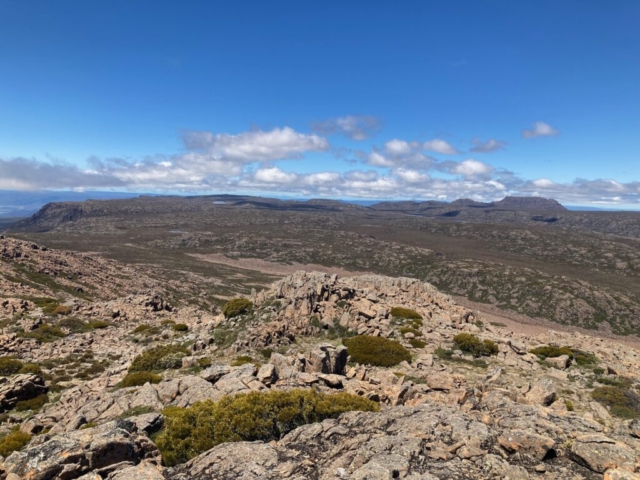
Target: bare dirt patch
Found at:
x=273, y=268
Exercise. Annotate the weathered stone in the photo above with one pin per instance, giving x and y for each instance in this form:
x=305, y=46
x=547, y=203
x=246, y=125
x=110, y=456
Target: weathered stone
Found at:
x=600, y=453
x=70, y=455
x=542, y=393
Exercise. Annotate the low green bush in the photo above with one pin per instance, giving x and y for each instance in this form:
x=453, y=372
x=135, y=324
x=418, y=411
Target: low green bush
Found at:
x=32, y=368
x=405, y=313
x=159, y=358
x=376, y=351
x=622, y=401
x=33, y=404
x=580, y=357
x=447, y=355
x=417, y=343
x=256, y=416
x=44, y=333
x=551, y=351
x=236, y=306
x=98, y=324
x=241, y=360
x=137, y=379
x=204, y=362
x=469, y=343
x=135, y=411
x=9, y=366
x=180, y=327
x=13, y=441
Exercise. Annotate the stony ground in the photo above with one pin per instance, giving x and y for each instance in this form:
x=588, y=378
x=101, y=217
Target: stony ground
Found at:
x=78, y=322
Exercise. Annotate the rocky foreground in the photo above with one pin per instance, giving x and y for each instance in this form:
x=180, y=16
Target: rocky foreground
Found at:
x=511, y=412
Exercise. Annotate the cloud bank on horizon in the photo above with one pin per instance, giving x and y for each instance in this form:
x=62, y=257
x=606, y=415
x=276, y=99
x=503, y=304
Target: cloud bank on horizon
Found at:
x=275, y=161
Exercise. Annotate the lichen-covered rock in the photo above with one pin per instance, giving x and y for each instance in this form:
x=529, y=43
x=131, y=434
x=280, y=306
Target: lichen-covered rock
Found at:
x=71, y=455
x=20, y=387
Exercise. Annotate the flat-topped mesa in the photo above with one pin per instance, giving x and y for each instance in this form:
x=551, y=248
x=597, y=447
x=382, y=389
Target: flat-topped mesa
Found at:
x=530, y=203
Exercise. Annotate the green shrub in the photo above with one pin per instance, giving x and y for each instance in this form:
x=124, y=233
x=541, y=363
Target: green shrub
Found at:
x=241, y=360
x=376, y=351
x=33, y=404
x=9, y=365
x=13, y=441
x=622, y=382
x=622, y=401
x=159, y=358
x=135, y=411
x=48, y=305
x=581, y=358
x=204, y=362
x=584, y=359
x=44, y=333
x=405, y=313
x=447, y=355
x=404, y=330
x=551, y=351
x=598, y=370
x=417, y=343
x=223, y=337
x=98, y=324
x=32, y=368
x=569, y=405
x=236, y=306
x=471, y=344
x=75, y=325
x=256, y=416
x=147, y=330
x=180, y=327
x=137, y=379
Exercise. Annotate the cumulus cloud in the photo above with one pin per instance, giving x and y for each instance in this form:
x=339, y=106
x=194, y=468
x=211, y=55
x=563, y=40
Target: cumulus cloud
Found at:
x=255, y=145
x=439, y=146
x=491, y=145
x=247, y=162
x=540, y=129
x=30, y=174
x=472, y=168
x=543, y=183
x=399, y=153
x=356, y=127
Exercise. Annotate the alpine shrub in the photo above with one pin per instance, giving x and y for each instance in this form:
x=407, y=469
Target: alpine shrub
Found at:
x=376, y=351
x=471, y=344
x=236, y=306
x=255, y=416
x=159, y=358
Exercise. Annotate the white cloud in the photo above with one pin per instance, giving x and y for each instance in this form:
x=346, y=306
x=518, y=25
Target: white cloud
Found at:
x=472, y=168
x=356, y=127
x=543, y=183
x=491, y=145
x=274, y=175
x=378, y=160
x=245, y=162
x=397, y=147
x=255, y=145
x=540, y=129
x=411, y=176
x=439, y=146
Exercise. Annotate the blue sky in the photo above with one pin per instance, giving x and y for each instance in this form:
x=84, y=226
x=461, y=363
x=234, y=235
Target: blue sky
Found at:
x=342, y=99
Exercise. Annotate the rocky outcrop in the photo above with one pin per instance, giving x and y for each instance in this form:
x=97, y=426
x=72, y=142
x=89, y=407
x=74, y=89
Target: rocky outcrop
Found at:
x=18, y=388
x=100, y=451
x=428, y=442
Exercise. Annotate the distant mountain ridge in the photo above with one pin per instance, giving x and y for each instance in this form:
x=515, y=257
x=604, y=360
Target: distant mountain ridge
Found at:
x=526, y=211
